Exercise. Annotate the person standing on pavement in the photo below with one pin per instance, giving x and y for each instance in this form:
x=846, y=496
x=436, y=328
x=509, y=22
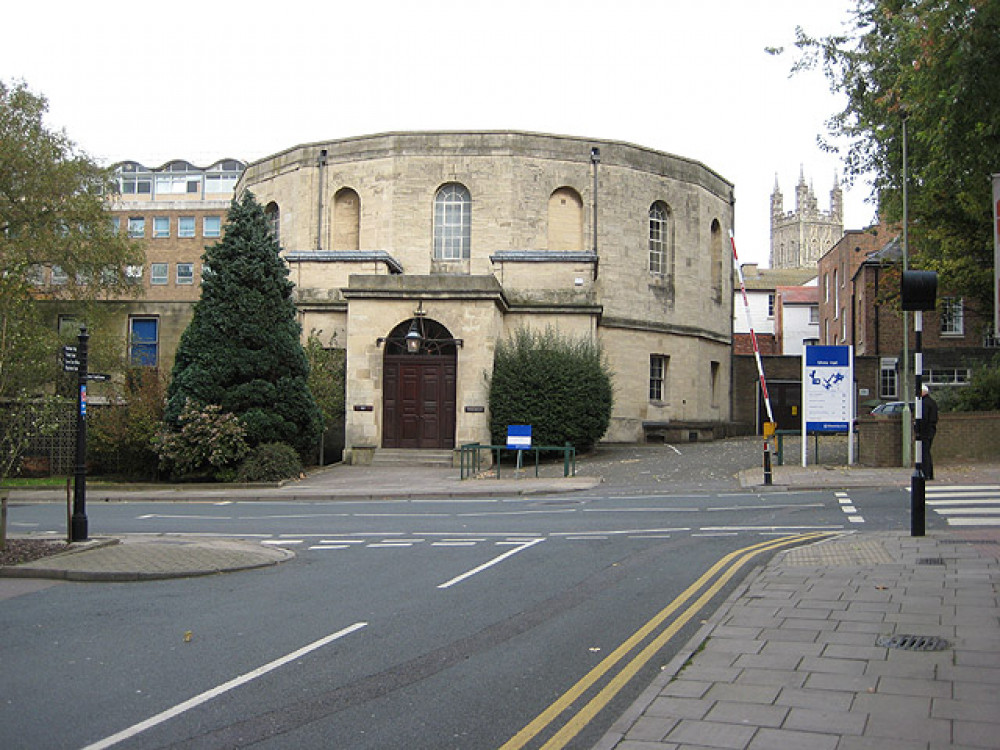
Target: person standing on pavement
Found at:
x=928, y=429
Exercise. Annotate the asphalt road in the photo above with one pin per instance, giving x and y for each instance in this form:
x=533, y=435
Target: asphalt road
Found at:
x=400, y=624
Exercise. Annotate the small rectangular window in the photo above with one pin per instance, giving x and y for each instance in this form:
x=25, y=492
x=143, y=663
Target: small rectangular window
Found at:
x=133, y=274
x=185, y=226
x=59, y=276
x=713, y=383
x=161, y=226
x=212, y=226
x=159, y=273
x=185, y=273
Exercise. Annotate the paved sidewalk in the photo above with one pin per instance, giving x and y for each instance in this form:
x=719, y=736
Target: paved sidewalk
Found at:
x=821, y=649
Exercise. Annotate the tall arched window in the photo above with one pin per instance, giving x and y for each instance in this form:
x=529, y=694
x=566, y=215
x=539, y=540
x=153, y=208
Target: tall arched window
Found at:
x=717, y=261
x=565, y=221
x=660, y=255
x=346, y=220
x=273, y=214
x=452, y=222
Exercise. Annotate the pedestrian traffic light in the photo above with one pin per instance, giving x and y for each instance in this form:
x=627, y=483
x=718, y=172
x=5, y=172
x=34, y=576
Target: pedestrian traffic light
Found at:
x=919, y=290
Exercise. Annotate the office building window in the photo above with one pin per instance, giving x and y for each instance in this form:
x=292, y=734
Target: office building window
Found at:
x=185, y=226
x=452, y=222
x=159, y=273
x=134, y=179
x=185, y=273
x=133, y=274
x=144, y=341
x=136, y=226
x=59, y=276
x=161, y=226
x=212, y=226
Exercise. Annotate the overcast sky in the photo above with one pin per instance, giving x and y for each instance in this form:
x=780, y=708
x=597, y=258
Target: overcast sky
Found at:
x=211, y=79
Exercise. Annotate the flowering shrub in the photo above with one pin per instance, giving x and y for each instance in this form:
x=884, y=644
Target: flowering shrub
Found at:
x=208, y=441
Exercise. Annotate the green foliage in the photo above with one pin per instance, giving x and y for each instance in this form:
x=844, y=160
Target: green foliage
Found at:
x=270, y=462
x=53, y=212
x=558, y=385
x=241, y=350
x=327, y=367
x=981, y=394
x=937, y=65
x=208, y=441
x=22, y=418
x=120, y=436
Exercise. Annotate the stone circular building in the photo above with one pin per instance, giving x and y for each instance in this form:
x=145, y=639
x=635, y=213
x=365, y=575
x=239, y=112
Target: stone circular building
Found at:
x=465, y=236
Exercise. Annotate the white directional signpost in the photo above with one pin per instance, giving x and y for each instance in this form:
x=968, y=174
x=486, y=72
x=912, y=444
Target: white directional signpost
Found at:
x=828, y=394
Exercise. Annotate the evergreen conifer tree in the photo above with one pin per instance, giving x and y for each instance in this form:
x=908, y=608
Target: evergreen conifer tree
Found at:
x=242, y=350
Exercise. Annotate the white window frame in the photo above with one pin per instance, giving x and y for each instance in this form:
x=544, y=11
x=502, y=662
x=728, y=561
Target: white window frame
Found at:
x=659, y=366
x=211, y=226
x=136, y=226
x=452, y=222
x=186, y=226
x=952, y=316
x=185, y=274
x=659, y=218
x=161, y=227
x=159, y=274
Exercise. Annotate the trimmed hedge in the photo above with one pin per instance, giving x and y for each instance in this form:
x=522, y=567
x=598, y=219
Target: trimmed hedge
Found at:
x=561, y=386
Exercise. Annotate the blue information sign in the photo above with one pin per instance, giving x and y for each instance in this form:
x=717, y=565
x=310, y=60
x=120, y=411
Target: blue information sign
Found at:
x=518, y=437
x=827, y=383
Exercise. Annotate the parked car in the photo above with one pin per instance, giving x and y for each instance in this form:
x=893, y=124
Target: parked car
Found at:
x=891, y=407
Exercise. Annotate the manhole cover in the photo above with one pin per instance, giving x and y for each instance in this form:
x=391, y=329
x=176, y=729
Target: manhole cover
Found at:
x=913, y=642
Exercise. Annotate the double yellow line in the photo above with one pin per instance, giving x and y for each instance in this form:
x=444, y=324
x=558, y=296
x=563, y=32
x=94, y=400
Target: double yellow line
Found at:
x=730, y=564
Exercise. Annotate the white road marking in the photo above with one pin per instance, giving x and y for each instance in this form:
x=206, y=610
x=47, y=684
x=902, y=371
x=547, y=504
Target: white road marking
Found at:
x=208, y=695
x=490, y=564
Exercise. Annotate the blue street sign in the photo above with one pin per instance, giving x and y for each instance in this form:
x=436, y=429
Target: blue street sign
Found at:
x=518, y=437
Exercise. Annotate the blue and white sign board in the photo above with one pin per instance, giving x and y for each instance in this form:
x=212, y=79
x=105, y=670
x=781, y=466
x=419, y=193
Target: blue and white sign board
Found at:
x=518, y=437
x=828, y=393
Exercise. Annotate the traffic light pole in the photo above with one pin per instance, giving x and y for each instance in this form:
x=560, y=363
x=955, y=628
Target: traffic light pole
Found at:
x=78, y=522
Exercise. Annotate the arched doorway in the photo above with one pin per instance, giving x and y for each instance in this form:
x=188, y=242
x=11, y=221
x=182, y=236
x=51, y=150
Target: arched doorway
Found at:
x=418, y=388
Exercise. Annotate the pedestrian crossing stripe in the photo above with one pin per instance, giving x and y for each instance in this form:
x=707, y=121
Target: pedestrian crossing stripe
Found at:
x=966, y=505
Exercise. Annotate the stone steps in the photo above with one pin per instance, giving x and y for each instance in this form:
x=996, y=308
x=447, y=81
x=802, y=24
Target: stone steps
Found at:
x=403, y=457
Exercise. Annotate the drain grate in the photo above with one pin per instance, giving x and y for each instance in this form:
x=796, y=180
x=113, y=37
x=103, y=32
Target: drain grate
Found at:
x=930, y=561
x=914, y=642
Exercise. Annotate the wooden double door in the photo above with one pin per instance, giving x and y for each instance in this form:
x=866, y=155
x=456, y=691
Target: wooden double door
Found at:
x=418, y=407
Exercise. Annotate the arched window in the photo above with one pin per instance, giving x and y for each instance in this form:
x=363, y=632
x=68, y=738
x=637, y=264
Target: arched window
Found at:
x=565, y=221
x=717, y=261
x=346, y=220
x=452, y=222
x=273, y=214
x=660, y=239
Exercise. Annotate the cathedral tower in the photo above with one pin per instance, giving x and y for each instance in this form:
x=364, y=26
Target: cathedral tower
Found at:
x=801, y=237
